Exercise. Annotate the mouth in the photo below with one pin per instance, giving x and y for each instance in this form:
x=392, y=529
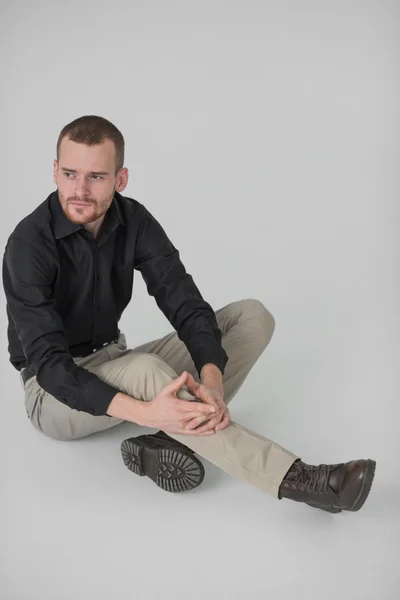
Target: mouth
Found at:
x=80, y=204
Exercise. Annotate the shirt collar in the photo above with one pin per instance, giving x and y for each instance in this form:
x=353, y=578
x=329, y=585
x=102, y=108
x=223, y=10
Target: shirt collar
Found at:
x=64, y=227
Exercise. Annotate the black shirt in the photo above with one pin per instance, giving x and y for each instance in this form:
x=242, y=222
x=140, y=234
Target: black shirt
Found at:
x=66, y=291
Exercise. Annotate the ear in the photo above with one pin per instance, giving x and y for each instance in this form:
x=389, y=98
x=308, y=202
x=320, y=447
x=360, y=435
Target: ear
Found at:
x=55, y=169
x=122, y=180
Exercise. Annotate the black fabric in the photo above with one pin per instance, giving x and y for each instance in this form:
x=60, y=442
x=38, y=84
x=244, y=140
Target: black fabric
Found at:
x=26, y=375
x=66, y=292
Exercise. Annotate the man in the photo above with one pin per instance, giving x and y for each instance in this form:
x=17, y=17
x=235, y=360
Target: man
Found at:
x=68, y=270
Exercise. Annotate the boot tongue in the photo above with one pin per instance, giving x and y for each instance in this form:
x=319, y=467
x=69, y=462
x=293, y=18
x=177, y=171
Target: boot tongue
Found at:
x=294, y=471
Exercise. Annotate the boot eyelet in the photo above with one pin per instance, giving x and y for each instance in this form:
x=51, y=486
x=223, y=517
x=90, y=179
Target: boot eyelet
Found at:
x=286, y=485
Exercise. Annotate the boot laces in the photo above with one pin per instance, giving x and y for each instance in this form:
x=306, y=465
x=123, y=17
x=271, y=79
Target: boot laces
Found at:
x=312, y=478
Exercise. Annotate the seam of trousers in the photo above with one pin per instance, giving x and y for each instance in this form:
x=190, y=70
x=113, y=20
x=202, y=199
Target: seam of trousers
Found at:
x=271, y=481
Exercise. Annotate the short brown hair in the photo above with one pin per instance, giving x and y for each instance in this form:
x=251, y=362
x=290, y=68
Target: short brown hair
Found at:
x=91, y=130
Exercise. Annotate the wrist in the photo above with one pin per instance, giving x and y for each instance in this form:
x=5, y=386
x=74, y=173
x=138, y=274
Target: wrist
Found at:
x=209, y=369
x=141, y=413
x=127, y=408
x=211, y=376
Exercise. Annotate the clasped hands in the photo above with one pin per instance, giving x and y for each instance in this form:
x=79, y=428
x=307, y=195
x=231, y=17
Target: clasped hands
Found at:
x=214, y=397
x=204, y=415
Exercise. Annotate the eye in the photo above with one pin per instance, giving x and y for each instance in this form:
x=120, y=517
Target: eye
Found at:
x=99, y=176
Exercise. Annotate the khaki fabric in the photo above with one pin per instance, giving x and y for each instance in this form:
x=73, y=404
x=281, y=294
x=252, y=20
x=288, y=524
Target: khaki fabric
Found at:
x=247, y=328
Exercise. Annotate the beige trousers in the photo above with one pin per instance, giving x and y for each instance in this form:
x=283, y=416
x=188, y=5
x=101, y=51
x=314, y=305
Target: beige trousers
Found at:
x=247, y=328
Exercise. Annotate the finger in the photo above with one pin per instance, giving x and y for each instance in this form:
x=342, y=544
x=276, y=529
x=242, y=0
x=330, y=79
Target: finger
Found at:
x=199, y=408
x=199, y=421
x=195, y=422
x=189, y=417
x=225, y=422
x=191, y=383
x=215, y=417
x=207, y=399
x=177, y=383
x=194, y=388
x=211, y=402
x=208, y=426
x=216, y=422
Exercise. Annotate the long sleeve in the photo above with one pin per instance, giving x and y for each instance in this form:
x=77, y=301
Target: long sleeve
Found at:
x=27, y=279
x=177, y=295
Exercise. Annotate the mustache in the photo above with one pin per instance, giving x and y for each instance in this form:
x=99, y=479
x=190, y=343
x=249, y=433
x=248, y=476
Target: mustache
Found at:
x=81, y=201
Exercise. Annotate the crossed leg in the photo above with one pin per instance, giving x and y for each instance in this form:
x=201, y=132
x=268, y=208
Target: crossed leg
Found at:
x=247, y=328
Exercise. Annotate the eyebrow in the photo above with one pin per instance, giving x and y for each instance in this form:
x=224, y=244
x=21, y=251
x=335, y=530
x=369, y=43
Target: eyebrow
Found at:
x=92, y=172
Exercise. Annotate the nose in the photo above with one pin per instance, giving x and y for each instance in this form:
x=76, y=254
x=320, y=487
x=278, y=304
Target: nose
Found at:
x=81, y=187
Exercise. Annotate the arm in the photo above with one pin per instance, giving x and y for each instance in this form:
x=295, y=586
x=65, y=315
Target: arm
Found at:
x=27, y=281
x=127, y=408
x=177, y=295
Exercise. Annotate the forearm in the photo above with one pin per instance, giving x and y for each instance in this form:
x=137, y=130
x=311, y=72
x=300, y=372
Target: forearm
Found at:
x=211, y=376
x=127, y=408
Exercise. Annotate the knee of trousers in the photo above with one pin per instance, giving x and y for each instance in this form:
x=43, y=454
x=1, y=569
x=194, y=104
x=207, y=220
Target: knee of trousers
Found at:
x=49, y=430
x=263, y=319
x=147, y=374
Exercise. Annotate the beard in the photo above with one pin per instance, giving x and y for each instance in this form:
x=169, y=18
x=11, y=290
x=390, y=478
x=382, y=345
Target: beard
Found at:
x=84, y=214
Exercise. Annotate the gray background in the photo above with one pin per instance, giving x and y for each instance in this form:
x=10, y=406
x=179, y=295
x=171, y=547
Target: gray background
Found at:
x=264, y=137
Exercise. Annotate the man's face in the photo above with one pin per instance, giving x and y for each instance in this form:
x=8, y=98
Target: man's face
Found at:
x=86, y=181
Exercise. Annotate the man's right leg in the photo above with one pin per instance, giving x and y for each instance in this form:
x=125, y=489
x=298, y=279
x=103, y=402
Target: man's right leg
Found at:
x=237, y=450
x=243, y=453
x=247, y=327
x=240, y=452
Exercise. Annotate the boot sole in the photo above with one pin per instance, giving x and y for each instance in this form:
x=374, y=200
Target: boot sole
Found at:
x=331, y=510
x=173, y=469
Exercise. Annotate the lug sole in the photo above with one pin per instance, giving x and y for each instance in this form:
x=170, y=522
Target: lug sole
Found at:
x=173, y=469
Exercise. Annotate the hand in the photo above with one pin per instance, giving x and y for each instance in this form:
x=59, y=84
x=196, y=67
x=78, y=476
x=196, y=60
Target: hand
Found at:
x=210, y=396
x=171, y=414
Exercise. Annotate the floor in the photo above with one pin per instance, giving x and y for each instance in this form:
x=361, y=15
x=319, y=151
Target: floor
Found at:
x=75, y=522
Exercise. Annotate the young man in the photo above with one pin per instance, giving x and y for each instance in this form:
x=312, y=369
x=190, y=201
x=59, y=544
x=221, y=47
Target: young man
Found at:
x=68, y=270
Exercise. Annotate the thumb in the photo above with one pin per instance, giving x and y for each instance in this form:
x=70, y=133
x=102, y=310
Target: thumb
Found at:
x=191, y=383
x=177, y=383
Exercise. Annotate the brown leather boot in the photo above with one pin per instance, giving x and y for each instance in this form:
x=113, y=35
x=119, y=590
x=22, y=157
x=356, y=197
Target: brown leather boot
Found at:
x=344, y=486
x=170, y=464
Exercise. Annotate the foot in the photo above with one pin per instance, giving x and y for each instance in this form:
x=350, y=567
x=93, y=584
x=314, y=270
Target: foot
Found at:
x=344, y=486
x=170, y=464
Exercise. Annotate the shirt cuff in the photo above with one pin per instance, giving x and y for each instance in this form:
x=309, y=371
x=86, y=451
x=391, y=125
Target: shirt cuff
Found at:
x=97, y=397
x=211, y=354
